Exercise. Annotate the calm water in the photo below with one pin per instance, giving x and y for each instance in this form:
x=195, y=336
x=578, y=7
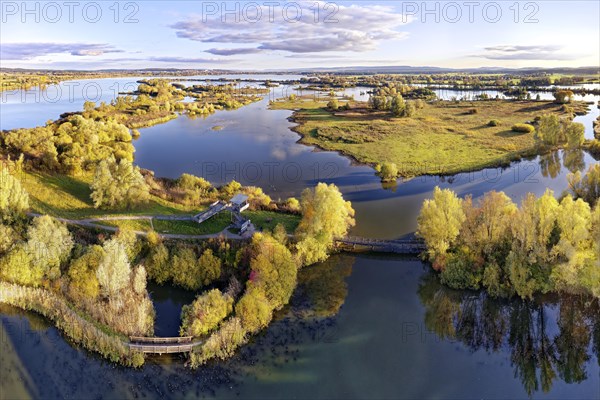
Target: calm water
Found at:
x=391, y=332
x=398, y=334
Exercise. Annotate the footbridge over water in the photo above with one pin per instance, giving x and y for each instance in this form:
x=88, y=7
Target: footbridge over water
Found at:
x=407, y=245
x=163, y=345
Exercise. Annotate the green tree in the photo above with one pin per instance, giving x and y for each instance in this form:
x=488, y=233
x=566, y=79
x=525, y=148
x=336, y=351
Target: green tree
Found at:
x=159, y=268
x=114, y=271
x=550, y=130
x=118, y=185
x=210, y=267
x=333, y=104
x=14, y=200
x=398, y=106
x=184, y=266
x=575, y=133
x=49, y=243
x=439, y=221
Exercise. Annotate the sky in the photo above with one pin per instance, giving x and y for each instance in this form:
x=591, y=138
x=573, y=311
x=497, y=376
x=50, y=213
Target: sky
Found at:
x=277, y=35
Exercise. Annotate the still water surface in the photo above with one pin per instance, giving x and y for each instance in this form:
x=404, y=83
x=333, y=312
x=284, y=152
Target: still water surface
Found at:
x=396, y=334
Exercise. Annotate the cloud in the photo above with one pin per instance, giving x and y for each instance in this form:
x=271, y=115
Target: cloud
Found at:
x=27, y=51
x=526, y=52
x=170, y=59
x=355, y=28
x=231, y=52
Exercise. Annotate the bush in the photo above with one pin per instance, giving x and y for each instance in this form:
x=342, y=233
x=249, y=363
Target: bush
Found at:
x=472, y=111
x=205, y=313
x=493, y=122
x=523, y=128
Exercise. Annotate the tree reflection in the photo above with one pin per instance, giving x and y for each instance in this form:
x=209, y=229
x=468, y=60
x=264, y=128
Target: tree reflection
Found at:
x=550, y=164
x=538, y=354
x=325, y=284
x=574, y=160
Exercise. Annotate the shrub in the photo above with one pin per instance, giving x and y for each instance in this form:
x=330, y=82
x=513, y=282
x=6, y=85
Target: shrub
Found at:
x=205, y=313
x=523, y=128
x=493, y=122
x=472, y=111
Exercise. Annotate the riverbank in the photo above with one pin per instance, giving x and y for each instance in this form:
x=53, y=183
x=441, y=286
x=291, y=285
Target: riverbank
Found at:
x=78, y=329
x=443, y=138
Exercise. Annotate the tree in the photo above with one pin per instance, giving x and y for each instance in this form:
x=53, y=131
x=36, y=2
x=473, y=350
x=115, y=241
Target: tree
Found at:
x=254, y=310
x=210, y=267
x=563, y=96
x=388, y=172
x=82, y=274
x=14, y=200
x=114, y=271
x=184, y=266
x=326, y=216
x=273, y=270
x=158, y=264
x=205, y=313
x=587, y=187
x=16, y=267
x=333, y=104
x=139, y=280
x=550, y=130
x=410, y=109
x=439, y=221
x=575, y=135
x=8, y=237
x=398, y=106
x=118, y=185
x=49, y=244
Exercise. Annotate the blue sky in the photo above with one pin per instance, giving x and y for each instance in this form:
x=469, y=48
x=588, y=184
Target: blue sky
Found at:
x=291, y=34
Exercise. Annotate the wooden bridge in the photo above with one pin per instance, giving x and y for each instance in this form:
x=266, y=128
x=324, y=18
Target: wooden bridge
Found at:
x=162, y=345
x=408, y=245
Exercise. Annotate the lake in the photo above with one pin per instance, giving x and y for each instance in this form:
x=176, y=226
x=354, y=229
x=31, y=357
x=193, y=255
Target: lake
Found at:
x=391, y=331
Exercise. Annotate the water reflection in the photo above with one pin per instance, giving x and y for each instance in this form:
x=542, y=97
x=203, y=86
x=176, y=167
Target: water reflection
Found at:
x=549, y=338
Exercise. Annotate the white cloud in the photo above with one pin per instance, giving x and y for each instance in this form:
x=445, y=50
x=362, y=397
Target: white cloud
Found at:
x=27, y=51
x=526, y=52
x=355, y=28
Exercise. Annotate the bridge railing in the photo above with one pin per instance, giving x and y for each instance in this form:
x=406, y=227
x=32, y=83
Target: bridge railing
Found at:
x=162, y=349
x=160, y=340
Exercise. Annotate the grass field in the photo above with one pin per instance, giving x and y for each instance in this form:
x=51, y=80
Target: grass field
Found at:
x=214, y=225
x=443, y=137
x=69, y=197
x=267, y=220
x=142, y=225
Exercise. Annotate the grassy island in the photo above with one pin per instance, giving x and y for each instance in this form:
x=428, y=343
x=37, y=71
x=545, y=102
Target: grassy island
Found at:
x=443, y=137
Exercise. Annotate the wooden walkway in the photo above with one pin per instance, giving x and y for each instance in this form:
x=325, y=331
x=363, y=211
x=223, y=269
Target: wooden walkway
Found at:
x=162, y=345
x=213, y=210
x=410, y=245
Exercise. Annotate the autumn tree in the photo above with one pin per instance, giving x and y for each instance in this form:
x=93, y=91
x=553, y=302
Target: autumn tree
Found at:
x=440, y=221
x=49, y=244
x=273, y=270
x=14, y=200
x=209, y=267
x=326, y=216
x=114, y=271
x=575, y=134
x=205, y=313
x=550, y=130
x=398, y=106
x=254, y=310
x=388, y=171
x=83, y=282
x=118, y=185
